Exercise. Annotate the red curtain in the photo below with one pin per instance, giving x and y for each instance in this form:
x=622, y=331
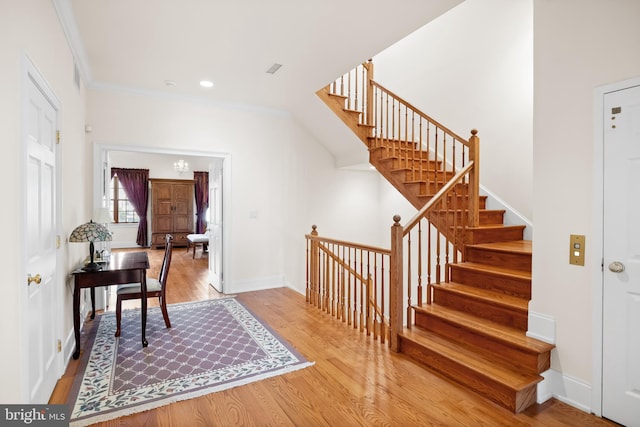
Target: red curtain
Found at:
x=202, y=200
x=135, y=183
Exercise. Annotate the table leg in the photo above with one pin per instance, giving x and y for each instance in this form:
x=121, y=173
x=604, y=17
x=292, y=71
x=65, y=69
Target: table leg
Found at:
x=143, y=288
x=93, y=303
x=76, y=320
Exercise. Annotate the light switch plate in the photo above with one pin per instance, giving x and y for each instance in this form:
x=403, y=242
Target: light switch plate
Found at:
x=576, y=249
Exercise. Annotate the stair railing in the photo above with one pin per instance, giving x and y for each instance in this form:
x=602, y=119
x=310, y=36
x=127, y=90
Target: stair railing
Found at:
x=421, y=251
x=350, y=282
x=405, y=132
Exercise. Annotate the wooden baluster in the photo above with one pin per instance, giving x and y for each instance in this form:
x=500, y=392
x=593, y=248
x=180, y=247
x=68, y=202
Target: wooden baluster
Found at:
x=349, y=88
x=421, y=173
x=438, y=270
x=409, y=259
x=341, y=289
x=382, y=306
x=349, y=290
x=368, y=304
x=367, y=294
x=429, y=257
x=474, y=179
x=307, y=271
x=361, y=317
x=375, y=296
x=323, y=295
x=356, y=99
x=406, y=137
x=449, y=219
x=437, y=152
x=376, y=119
x=334, y=279
x=315, y=267
x=355, y=291
x=420, y=263
x=413, y=145
x=395, y=284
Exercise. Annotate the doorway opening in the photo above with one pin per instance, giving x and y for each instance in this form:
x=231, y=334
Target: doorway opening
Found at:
x=160, y=162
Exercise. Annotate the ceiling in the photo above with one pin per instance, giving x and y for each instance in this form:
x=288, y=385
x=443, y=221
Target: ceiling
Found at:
x=140, y=44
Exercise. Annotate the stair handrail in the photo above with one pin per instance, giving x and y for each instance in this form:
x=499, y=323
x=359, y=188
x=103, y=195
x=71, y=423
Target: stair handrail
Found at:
x=423, y=114
x=436, y=199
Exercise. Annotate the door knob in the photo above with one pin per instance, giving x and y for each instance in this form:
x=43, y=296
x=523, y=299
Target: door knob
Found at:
x=37, y=279
x=616, y=267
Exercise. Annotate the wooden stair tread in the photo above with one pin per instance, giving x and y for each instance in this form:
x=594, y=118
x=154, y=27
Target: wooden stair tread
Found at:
x=337, y=95
x=516, y=246
x=496, y=226
x=494, y=270
x=487, y=295
x=498, y=372
x=483, y=327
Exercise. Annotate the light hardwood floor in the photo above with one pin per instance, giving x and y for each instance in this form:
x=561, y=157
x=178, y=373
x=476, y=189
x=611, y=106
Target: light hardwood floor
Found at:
x=354, y=381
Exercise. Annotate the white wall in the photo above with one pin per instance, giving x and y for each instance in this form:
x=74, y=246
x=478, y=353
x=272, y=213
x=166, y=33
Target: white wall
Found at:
x=31, y=27
x=278, y=170
x=579, y=45
x=473, y=68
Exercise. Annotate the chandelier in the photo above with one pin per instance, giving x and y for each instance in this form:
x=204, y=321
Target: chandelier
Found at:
x=181, y=166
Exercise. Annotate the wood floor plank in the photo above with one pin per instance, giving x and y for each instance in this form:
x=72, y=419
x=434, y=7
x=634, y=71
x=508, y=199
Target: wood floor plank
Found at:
x=355, y=381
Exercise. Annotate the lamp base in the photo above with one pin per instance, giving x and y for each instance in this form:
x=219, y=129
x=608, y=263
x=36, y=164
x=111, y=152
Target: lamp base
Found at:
x=92, y=266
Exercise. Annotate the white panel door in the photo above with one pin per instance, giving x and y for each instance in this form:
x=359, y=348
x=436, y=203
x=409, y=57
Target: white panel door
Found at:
x=215, y=226
x=40, y=237
x=621, y=299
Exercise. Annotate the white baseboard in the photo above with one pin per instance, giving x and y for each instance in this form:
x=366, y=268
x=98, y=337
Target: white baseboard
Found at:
x=566, y=389
x=542, y=327
x=260, y=284
x=563, y=387
x=69, y=345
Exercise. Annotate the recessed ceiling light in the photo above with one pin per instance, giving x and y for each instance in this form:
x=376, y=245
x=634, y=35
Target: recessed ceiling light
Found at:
x=274, y=68
x=206, y=83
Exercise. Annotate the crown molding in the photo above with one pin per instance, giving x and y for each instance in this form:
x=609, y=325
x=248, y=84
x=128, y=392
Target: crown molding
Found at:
x=70, y=27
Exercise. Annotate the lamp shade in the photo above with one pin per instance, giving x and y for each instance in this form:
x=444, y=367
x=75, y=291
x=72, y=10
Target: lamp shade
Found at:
x=90, y=232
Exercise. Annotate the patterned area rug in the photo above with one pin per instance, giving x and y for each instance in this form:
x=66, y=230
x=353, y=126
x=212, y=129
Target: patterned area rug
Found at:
x=212, y=345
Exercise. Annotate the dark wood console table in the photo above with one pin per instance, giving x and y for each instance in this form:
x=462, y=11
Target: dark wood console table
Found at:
x=123, y=267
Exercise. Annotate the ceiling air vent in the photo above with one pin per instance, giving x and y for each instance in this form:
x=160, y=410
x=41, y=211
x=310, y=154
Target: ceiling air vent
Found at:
x=274, y=68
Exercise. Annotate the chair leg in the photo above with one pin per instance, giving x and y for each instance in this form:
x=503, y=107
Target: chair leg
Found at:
x=118, y=315
x=165, y=313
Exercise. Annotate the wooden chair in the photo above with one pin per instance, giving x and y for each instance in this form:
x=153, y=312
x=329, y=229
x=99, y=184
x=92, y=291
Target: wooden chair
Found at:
x=155, y=288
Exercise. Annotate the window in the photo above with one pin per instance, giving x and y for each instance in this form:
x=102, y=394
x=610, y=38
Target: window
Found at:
x=121, y=210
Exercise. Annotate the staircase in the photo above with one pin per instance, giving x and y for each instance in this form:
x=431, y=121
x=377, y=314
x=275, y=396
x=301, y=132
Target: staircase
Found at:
x=472, y=326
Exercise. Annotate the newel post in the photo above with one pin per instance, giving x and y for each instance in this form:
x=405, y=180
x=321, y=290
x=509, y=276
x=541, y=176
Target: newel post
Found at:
x=314, y=267
x=395, y=283
x=369, y=98
x=474, y=179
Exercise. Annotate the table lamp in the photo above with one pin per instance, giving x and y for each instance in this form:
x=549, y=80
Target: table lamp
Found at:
x=90, y=232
